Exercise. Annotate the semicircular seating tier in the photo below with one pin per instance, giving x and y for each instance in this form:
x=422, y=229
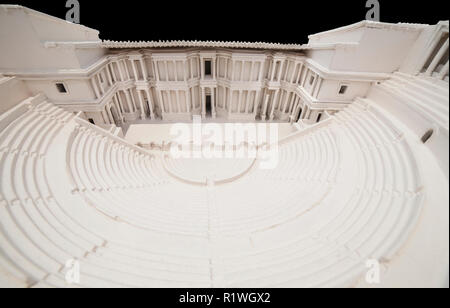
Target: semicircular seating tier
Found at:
x=343, y=192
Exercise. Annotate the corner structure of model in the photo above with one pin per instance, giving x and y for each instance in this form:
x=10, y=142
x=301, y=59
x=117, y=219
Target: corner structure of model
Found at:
x=87, y=175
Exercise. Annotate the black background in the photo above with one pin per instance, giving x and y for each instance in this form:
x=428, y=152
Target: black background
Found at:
x=268, y=21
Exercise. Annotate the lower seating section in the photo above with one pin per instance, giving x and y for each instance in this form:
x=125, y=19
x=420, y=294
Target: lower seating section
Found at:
x=107, y=174
x=44, y=222
x=304, y=176
x=366, y=212
x=342, y=193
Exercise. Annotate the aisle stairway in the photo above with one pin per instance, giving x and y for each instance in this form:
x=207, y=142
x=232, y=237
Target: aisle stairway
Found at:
x=342, y=193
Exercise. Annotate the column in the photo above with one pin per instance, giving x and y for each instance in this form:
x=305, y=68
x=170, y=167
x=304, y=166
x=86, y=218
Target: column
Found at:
x=251, y=71
x=240, y=101
x=296, y=114
x=275, y=100
x=133, y=99
x=144, y=69
x=307, y=113
x=108, y=111
x=113, y=72
x=230, y=101
x=191, y=63
x=188, y=100
x=294, y=104
x=141, y=101
x=202, y=68
x=214, y=68
x=129, y=101
x=283, y=98
x=166, y=65
x=273, y=65
x=233, y=66
x=178, y=101
x=119, y=98
x=108, y=75
x=318, y=87
x=265, y=107
x=94, y=85
x=288, y=103
x=261, y=71
x=256, y=104
x=102, y=89
x=304, y=76
x=169, y=96
x=300, y=71
x=150, y=104
x=185, y=66
x=437, y=59
x=293, y=73
x=175, y=69
x=133, y=64
x=213, y=102
x=156, y=70
x=191, y=96
x=281, y=71
x=161, y=102
x=304, y=112
x=121, y=72
x=316, y=79
x=226, y=68
x=241, y=76
x=203, y=100
x=105, y=117
x=247, y=102
x=118, y=107
x=126, y=69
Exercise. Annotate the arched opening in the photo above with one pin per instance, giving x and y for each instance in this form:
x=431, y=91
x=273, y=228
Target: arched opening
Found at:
x=427, y=136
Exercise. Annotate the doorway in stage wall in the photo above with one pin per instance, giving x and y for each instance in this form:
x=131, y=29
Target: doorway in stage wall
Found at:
x=208, y=106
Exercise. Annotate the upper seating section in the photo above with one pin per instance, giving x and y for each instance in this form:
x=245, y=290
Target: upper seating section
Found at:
x=422, y=105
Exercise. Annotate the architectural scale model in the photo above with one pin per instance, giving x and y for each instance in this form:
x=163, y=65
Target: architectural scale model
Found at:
x=91, y=194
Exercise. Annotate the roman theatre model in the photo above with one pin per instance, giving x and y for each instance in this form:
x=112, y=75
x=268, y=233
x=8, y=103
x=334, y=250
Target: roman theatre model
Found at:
x=92, y=195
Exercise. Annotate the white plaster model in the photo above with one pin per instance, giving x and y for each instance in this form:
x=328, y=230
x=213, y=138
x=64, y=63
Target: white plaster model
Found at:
x=362, y=169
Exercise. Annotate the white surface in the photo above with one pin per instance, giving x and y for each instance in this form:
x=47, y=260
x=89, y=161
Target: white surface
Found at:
x=343, y=193
x=359, y=185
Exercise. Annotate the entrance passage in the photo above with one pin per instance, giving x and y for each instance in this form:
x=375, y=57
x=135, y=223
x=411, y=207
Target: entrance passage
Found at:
x=208, y=106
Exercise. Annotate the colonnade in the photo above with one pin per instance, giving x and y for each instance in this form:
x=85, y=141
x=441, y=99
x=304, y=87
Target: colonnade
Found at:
x=143, y=87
